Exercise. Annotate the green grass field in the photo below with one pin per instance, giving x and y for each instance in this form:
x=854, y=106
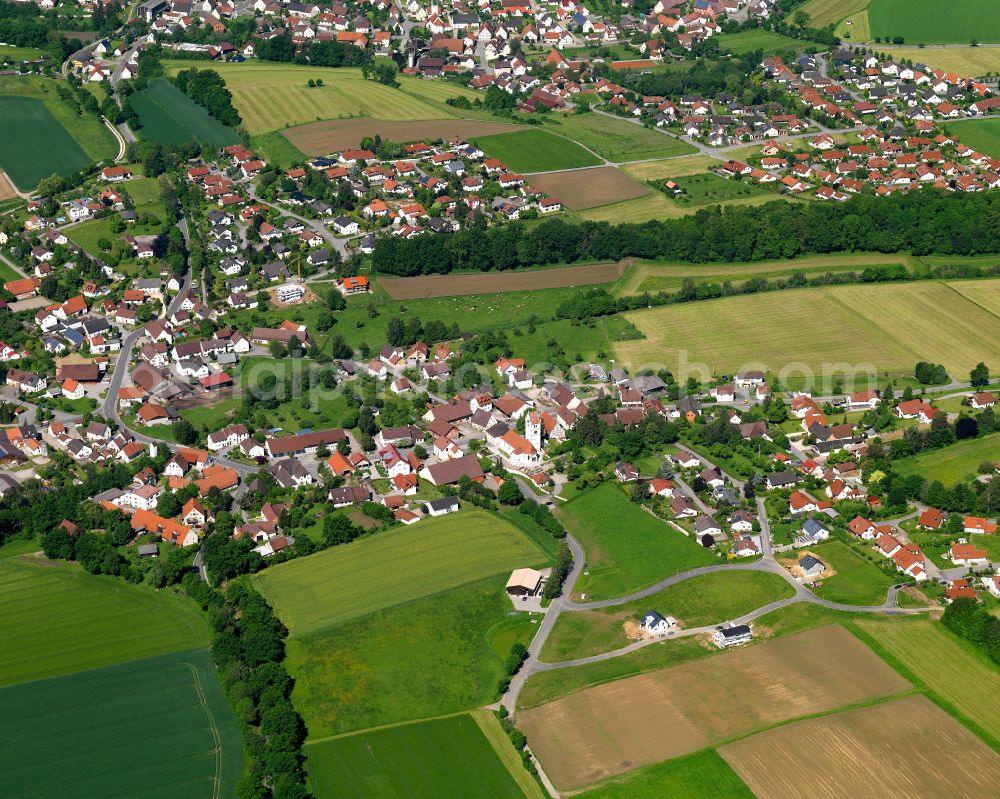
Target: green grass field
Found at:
x=857, y=582
x=35, y=144
x=51, y=151
x=67, y=620
x=884, y=328
x=434, y=759
x=952, y=463
x=171, y=117
x=748, y=41
x=710, y=189
x=626, y=547
x=616, y=139
x=153, y=728
x=271, y=96
x=535, y=150
x=709, y=599
x=703, y=775
x=948, y=666
x=425, y=658
x=921, y=21
x=980, y=134
x=9, y=52
x=387, y=569
x=276, y=149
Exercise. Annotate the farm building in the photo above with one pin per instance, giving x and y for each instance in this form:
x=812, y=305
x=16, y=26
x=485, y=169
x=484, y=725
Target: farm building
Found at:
x=525, y=582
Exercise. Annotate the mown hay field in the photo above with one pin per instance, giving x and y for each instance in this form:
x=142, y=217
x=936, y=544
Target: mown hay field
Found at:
x=895, y=750
x=390, y=568
x=587, y=188
x=61, y=620
x=619, y=726
x=333, y=135
x=455, y=285
x=435, y=759
x=274, y=96
x=153, y=728
x=828, y=12
x=888, y=327
x=957, y=673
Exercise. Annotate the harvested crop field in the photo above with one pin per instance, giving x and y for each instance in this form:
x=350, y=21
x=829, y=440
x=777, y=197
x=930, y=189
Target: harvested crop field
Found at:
x=905, y=748
x=320, y=138
x=412, y=288
x=614, y=728
x=588, y=188
x=6, y=189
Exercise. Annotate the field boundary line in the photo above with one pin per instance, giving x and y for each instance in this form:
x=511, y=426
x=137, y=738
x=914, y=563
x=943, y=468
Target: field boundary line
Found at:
x=967, y=298
x=389, y=726
x=217, y=779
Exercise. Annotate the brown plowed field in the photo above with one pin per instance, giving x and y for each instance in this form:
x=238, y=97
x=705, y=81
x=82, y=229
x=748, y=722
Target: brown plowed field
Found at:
x=333, y=135
x=412, y=288
x=898, y=750
x=588, y=188
x=613, y=728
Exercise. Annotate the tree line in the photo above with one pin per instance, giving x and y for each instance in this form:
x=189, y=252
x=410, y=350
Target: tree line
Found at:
x=207, y=88
x=921, y=222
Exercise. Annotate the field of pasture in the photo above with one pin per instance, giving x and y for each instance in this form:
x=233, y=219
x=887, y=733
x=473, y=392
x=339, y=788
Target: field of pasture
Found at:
x=627, y=548
x=377, y=572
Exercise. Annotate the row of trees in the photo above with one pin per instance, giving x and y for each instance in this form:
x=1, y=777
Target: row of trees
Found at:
x=207, y=88
x=919, y=221
x=248, y=647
